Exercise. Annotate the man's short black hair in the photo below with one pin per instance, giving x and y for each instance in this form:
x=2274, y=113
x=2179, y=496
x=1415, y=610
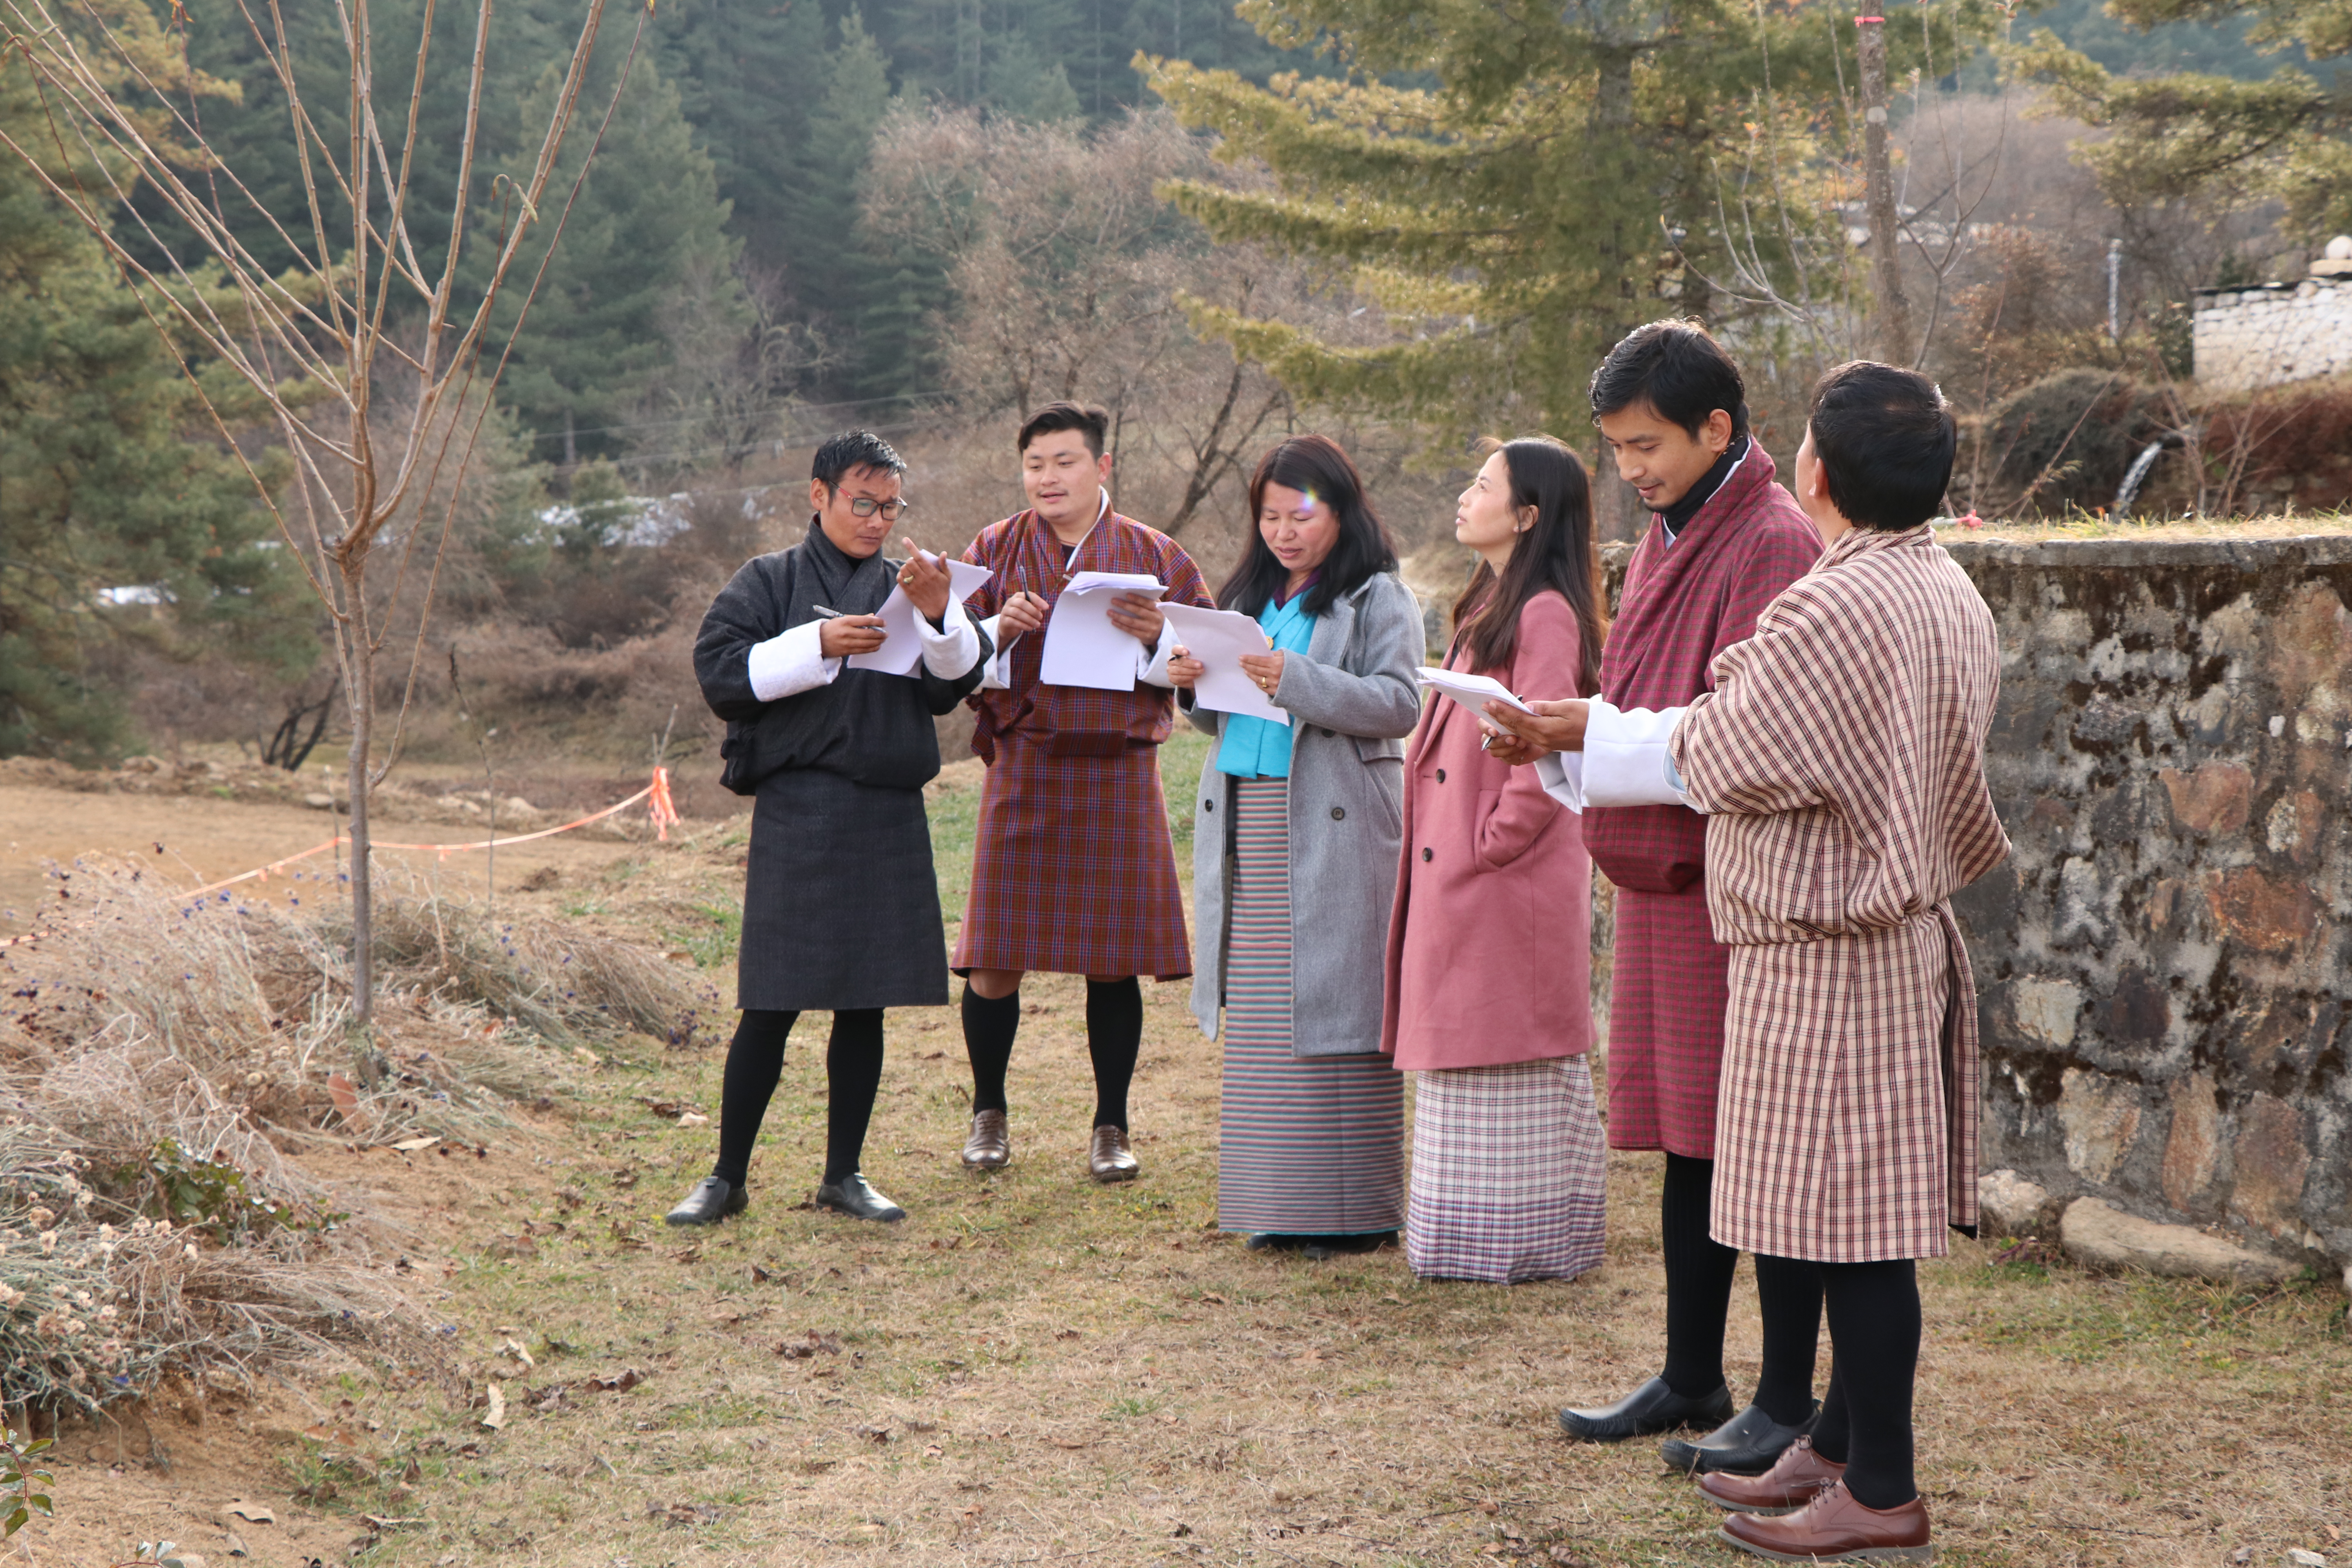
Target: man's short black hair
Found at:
x=844, y=454
x=1094, y=423
x=1886, y=438
x=1678, y=369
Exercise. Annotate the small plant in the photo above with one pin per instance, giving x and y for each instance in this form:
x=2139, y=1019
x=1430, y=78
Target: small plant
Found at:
x=23, y=1492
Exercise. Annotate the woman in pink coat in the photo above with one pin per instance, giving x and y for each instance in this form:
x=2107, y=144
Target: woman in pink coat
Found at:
x=1489, y=957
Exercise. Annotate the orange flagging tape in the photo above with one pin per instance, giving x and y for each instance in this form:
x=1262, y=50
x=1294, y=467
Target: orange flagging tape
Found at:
x=664, y=813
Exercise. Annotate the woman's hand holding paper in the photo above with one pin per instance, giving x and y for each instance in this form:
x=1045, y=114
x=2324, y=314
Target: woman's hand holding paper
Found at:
x=1265, y=668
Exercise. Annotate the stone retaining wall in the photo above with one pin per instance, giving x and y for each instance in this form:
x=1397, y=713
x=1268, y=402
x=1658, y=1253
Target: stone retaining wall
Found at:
x=2164, y=966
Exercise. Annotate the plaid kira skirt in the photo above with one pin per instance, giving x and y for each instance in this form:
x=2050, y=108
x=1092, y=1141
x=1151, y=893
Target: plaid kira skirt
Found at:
x=1508, y=1174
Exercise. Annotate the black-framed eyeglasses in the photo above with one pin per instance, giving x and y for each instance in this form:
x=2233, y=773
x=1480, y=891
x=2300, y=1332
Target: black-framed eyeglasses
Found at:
x=867, y=505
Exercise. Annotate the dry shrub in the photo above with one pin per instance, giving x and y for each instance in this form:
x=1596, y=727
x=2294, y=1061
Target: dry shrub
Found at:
x=164, y=1060
x=2292, y=444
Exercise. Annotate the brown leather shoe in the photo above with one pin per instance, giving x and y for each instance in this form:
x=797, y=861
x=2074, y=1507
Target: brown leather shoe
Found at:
x=1107, y=1159
x=1794, y=1479
x=1833, y=1528
x=990, y=1147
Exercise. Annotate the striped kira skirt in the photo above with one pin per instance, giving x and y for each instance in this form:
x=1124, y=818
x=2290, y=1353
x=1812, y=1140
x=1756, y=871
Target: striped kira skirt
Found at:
x=1509, y=1166
x=1311, y=1147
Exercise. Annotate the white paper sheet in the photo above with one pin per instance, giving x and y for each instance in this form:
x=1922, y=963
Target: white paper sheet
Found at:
x=1082, y=646
x=1219, y=639
x=1470, y=690
x=902, y=647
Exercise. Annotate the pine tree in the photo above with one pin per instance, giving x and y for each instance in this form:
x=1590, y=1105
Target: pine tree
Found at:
x=1520, y=213
x=649, y=223
x=2195, y=135
x=107, y=482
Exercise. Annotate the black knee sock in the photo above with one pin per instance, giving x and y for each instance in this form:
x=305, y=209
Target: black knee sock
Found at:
x=1874, y=1312
x=755, y=1059
x=1789, y=1297
x=1698, y=1279
x=853, y=1071
x=1832, y=1433
x=1114, y=1038
x=988, y=1030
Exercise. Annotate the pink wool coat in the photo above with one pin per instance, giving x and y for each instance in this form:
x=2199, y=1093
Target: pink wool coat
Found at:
x=1490, y=942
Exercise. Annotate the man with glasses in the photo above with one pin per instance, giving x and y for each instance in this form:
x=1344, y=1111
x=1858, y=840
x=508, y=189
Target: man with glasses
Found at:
x=841, y=909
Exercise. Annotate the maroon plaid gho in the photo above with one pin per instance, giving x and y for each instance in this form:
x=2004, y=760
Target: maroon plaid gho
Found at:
x=1684, y=603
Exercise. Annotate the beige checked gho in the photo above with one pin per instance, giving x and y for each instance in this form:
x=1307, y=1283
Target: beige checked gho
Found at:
x=1841, y=761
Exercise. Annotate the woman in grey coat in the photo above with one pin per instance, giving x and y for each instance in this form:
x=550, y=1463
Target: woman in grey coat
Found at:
x=1297, y=830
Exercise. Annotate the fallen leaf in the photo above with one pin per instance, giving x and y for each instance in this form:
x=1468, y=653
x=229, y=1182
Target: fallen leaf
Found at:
x=496, y=1415
x=411, y=1145
x=694, y=1118
x=378, y=1521
x=1059, y=1444
x=1214, y=1301
x=514, y=1348
x=345, y=1096
x=878, y=1434
x=327, y=1434
x=620, y=1382
x=932, y=1450
x=236, y=1545
x=252, y=1512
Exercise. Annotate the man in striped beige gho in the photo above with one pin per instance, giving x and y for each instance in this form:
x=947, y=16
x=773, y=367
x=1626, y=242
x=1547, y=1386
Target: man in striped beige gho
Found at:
x=1841, y=761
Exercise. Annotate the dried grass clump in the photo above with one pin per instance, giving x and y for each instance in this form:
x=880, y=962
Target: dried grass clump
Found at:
x=165, y=1060
x=92, y=1312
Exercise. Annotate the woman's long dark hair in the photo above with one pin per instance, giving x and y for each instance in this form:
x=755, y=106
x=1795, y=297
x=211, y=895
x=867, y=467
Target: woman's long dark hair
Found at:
x=1558, y=552
x=1316, y=466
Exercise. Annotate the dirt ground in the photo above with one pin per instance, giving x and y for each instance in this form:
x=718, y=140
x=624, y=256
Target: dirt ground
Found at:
x=1034, y=1369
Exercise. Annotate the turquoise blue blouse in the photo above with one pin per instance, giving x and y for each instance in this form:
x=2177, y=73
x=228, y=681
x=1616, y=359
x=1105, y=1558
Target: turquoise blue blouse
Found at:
x=1256, y=748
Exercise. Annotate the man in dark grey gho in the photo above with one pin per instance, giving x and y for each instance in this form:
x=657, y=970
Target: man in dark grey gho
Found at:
x=841, y=910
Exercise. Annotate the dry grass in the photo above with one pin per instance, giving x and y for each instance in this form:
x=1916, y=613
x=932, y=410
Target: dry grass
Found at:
x=164, y=1062
x=2085, y=525
x=1034, y=1369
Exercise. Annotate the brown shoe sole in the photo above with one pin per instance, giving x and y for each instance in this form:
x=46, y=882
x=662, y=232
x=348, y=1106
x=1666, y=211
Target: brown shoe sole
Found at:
x=1861, y=1555
x=1117, y=1173
x=1728, y=1506
x=991, y=1161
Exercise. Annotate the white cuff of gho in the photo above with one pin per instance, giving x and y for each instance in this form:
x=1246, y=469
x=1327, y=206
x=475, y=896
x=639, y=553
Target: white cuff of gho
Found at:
x=954, y=647
x=1153, y=670
x=787, y=665
x=1561, y=774
x=1625, y=758
x=999, y=677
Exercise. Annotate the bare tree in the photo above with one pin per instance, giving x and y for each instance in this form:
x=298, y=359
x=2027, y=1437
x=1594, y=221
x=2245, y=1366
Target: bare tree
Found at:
x=362, y=309
x=1071, y=276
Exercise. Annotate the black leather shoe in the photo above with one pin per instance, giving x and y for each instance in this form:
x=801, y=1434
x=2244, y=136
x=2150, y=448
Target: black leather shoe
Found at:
x=1749, y=1443
x=1647, y=1411
x=856, y=1196
x=711, y=1201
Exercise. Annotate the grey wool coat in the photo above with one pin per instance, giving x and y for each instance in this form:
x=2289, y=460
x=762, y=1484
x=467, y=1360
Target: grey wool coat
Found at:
x=1352, y=698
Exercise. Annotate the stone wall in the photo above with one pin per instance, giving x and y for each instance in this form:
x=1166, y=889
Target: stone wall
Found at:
x=2164, y=966
x=2246, y=339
